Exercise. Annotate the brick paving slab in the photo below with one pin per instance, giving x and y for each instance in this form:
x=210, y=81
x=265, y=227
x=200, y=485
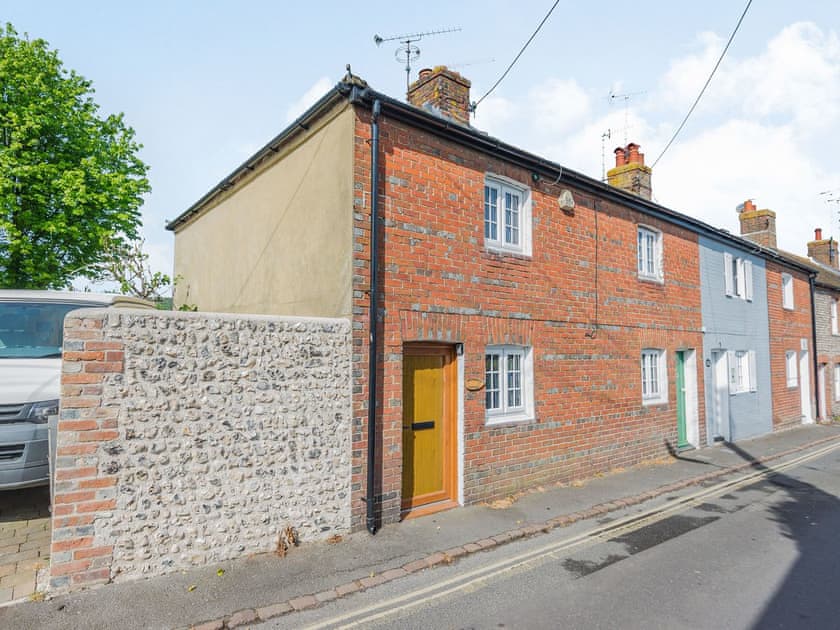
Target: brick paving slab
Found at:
x=416, y=565
x=436, y=558
x=455, y=552
x=269, y=612
x=6, y=595
x=216, y=624
x=24, y=542
x=302, y=603
x=242, y=618
x=393, y=574
x=347, y=589
x=374, y=580
x=26, y=589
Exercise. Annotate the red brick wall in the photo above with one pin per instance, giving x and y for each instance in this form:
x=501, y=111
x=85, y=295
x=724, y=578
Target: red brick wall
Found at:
x=787, y=329
x=441, y=284
x=83, y=486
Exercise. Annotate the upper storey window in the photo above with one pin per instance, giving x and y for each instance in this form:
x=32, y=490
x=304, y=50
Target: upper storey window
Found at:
x=738, y=277
x=649, y=253
x=787, y=291
x=507, y=216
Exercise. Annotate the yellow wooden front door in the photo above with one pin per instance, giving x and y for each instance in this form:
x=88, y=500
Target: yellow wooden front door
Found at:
x=428, y=431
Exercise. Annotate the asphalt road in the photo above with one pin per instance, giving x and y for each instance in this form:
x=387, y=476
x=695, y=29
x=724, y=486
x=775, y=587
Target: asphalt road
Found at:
x=760, y=552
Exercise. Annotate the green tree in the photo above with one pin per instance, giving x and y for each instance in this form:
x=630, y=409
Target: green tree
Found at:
x=70, y=179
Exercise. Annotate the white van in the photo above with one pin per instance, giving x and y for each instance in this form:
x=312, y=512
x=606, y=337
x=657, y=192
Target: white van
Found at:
x=31, y=337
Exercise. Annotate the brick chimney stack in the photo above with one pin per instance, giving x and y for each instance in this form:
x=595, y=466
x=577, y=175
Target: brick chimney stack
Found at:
x=759, y=226
x=630, y=172
x=823, y=250
x=442, y=91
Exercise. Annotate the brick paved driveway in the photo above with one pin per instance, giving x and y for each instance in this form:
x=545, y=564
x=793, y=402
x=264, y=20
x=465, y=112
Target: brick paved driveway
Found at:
x=25, y=527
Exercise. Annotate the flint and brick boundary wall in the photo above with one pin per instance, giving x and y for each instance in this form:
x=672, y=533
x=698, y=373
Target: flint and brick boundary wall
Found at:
x=191, y=438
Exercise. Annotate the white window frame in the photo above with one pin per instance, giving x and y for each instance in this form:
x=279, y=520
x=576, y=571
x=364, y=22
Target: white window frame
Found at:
x=514, y=389
x=833, y=316
x=649, y=253
x=738, y=277
x=498, y=234
x=654, y=375
x=787, y=291
x=837, y=381
x=742, y=371
x=791, y=369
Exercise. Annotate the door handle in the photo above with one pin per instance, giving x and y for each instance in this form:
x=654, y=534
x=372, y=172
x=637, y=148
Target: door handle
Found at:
x=420, y=426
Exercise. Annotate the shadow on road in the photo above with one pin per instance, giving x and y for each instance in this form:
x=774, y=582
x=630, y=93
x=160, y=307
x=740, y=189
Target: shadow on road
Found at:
x=808, y=595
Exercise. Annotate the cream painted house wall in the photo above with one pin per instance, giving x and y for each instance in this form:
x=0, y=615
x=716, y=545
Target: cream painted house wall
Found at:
x=279, y=242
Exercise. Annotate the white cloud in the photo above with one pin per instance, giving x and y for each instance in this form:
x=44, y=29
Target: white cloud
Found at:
x=686, y=76
x=760, y=132
x=559, y=105
x=796, y=78
x=318, y=89
x=495, y=114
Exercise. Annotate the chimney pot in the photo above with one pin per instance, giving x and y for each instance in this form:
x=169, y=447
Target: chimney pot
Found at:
x=425, y=72
x=620, y=157
x=818, y=234
x=749, y=206
x=634, y=157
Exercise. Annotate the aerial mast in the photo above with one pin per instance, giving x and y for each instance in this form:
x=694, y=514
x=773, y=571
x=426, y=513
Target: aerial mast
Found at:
x=408, y=50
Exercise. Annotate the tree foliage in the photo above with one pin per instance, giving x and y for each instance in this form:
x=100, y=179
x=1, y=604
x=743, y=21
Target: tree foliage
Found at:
x=70, y=179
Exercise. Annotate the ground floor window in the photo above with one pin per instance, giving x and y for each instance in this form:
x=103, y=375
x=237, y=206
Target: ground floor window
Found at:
x=654, y=377
x=742, y=371
x=837, y=381
x=508, y=383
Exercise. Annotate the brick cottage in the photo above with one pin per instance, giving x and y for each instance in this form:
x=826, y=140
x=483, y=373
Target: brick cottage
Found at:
x=532, y=324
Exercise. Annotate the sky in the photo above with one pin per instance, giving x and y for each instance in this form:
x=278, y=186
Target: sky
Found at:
x=206, y=84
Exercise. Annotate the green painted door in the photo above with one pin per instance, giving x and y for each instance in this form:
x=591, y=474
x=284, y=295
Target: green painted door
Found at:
x=682, y=442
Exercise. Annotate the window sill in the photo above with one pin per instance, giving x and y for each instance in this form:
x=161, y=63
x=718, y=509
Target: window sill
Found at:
x=498, y=250
x=652, y=279
x=787, y=308
x=514, y=418
x=794, y=386
x=653, y=402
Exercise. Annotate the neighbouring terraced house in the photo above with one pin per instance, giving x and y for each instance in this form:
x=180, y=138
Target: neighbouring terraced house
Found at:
x=532, y=324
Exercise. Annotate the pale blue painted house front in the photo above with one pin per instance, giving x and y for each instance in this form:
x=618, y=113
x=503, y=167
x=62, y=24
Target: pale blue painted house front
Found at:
x=736, y=344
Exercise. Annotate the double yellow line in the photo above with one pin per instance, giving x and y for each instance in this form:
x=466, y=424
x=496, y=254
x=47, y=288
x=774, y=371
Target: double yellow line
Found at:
x=469, y=579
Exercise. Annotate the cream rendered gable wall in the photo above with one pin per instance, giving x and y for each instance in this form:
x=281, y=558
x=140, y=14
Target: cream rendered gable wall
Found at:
x=280, y=242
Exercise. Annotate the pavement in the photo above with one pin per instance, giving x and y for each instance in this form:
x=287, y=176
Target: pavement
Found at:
x=25, y=530
x=261, y=587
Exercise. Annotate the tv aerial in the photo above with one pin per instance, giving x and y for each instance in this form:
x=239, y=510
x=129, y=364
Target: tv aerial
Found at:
x=626, y=98
x=408, y=50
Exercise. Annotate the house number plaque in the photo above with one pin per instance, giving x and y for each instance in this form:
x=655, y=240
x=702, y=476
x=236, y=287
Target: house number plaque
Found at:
x=474, y=384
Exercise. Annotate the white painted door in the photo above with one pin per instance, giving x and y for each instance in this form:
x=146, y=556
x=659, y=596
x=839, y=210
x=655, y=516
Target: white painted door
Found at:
x=805, y=387
x=720, y=373
x=821, y=390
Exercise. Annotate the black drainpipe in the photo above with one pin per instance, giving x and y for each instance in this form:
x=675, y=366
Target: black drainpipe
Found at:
x=811, y=281
x=372, y=314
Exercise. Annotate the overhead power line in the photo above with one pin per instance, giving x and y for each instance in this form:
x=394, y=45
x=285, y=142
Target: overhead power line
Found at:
x=515, y=59
x=709, y=80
